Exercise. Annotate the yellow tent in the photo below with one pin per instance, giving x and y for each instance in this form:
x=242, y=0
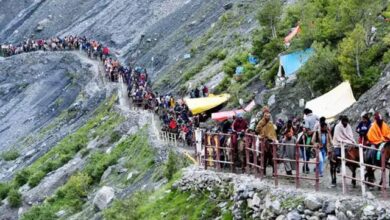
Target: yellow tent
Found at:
x=332, y=103
x=199, y=105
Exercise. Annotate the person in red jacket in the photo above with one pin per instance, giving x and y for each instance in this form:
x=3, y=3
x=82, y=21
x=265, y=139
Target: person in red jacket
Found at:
x=239, y=124
x=173, y=125
x=239, y=127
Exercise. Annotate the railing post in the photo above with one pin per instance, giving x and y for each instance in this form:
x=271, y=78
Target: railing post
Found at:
x=297, y=168
x=343, y=168
x=248, y=146
x=275, y=160
x=205, y=152
x=233, y=154
x=383, y=165
x=255, y=154
x=317, y=149
x=217, y=145
x=262, y=149
x=362, y=170
x=175, y=139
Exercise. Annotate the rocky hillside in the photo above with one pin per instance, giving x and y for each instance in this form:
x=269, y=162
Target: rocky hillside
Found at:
x=44, y=97
x=71, y=147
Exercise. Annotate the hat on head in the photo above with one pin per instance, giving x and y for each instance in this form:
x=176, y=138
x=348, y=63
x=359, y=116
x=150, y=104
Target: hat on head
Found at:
x=377, y=116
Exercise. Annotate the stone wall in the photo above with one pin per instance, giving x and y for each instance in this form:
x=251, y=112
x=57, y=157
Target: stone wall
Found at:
x=251, y=198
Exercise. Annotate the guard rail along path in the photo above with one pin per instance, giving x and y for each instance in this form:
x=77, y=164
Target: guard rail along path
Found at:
x=217, y=151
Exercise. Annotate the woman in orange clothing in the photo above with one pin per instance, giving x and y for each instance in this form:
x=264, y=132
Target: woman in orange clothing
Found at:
x=379, y=132
x=378, y=135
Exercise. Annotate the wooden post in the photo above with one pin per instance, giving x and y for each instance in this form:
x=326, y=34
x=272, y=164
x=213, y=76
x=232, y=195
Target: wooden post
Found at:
x=248, y=146
x=217, y=145
x=362, y=170
x=262, y=149
x=275, y=158
x=255, y=154
x=233, y=167
x=343, y=168
x=383, y=162
x=297, y=183
x=205, y=153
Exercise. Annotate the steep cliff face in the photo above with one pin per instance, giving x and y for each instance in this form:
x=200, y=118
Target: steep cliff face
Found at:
x=136, y=30
x=44, y=97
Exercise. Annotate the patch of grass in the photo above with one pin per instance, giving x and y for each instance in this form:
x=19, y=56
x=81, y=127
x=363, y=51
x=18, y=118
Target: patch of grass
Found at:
x=102, y=124
x=73, y=194
x=10, y=155
x=14, y=198
x=4, y=189
x=217, y=54
x=36, y=178
x=174, y=163
x=177, y=205
x=292, y=202
x=21, y=178
x=162, y=205
x=115, y=136
x=64, y=151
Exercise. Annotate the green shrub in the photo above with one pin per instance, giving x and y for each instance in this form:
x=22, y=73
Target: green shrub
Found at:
x=39, y=213
x=115, y=136
x=269, y=76
x=97, y=164
x=386, y=57
x=10, y=155
x=223, y=85
x=75, y=190
x=21, y=178
x=51, y=165
x=84, y=152
x=126, y=209
x=36, y=178
x=170, y=166
x=4, y=189
x=14, y=198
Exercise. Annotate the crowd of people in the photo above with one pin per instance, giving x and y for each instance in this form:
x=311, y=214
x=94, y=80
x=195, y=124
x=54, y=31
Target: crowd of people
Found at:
x=309, y=131
x=177, y=118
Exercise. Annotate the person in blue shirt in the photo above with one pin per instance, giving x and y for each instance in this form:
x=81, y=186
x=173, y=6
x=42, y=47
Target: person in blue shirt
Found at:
x=362, y=129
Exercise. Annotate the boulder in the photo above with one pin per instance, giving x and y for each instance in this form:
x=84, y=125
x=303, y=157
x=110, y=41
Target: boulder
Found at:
x=281, y=217
x=228, y=6
x=106, y=173
x=104, y=197
x=313, y=203
x=331, y=217
x=341, y=216
x=329, y=207
x=254, y=203
x=294, y=215
x=369, y=210
x=272, y=100
x=61, y=213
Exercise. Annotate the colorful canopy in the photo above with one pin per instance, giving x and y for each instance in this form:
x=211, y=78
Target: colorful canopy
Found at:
x=332, y=103
x=199, y=105
x=221, y=116
x=292, y=62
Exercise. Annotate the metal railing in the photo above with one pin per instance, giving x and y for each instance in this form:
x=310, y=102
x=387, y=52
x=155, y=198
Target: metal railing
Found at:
x=218, y=151
x=297, y=160
x=363, y=168
x=254, y=155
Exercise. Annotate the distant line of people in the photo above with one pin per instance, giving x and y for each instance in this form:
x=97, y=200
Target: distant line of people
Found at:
x=177, y=118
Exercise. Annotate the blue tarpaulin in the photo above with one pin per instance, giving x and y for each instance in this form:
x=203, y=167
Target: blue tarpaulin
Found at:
x=292, y=62
x=253, y=60
x=239, y=70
